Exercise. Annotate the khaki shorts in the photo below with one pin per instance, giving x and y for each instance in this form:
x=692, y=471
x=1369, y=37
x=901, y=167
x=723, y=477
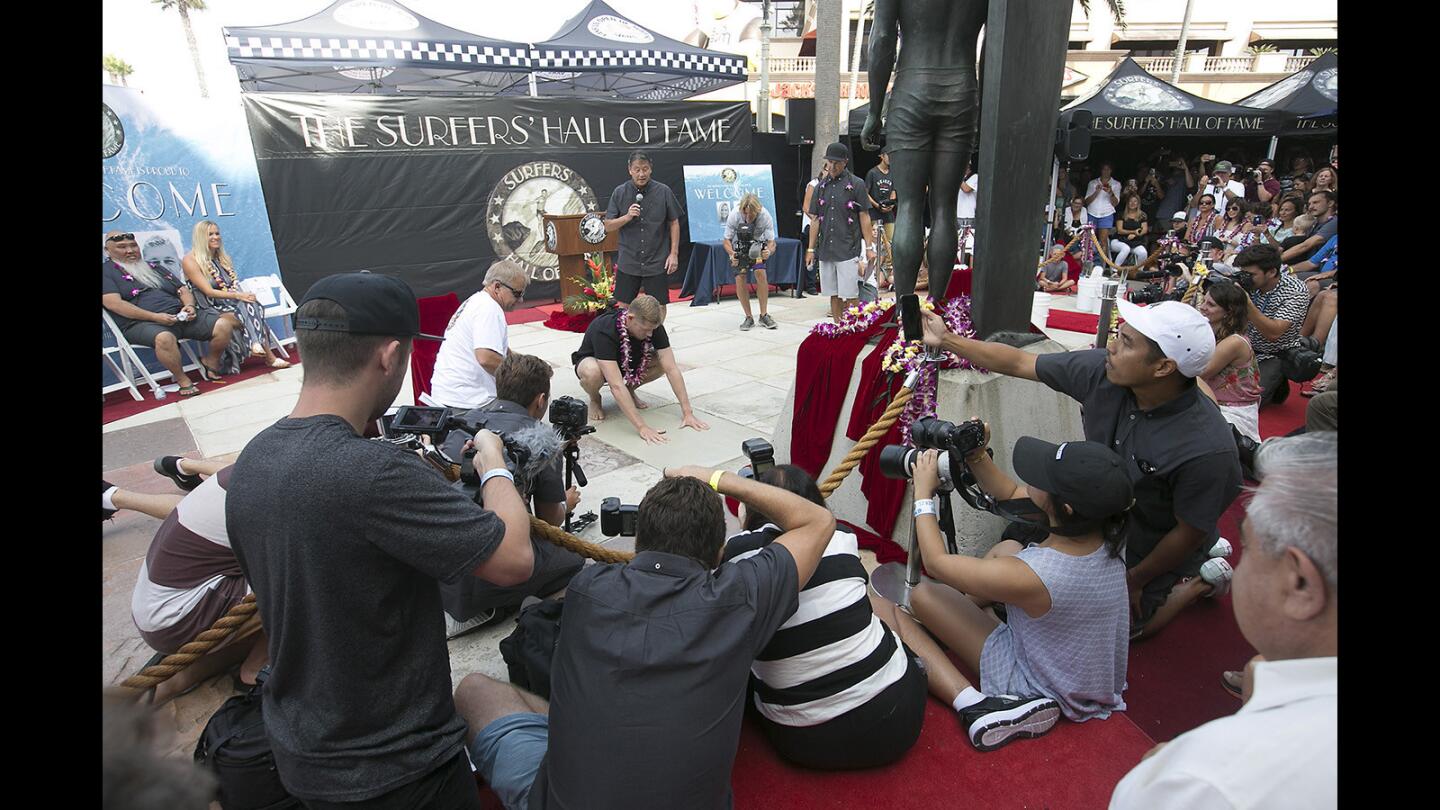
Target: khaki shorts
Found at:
x=840, y=278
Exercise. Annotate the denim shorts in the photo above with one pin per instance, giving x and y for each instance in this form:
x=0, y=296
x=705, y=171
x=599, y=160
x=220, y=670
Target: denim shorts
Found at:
x=1103, y=222
x=508, y=752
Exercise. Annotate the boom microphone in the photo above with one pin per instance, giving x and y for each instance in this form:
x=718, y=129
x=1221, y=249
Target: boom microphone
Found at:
x=544, y=446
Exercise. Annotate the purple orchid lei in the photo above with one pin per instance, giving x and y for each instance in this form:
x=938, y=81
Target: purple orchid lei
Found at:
x=855, y=319
x=904, y=356
x=638, y=375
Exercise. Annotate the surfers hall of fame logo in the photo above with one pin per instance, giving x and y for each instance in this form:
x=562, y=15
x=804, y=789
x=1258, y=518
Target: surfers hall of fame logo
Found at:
x=616, y=29
x=515, y=215
x=1144, y=94
x=1327, y=83
x=112, y=133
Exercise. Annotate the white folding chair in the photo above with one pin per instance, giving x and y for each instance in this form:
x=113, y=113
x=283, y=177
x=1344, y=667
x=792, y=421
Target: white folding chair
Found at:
x=271, y=293
x=130, y=369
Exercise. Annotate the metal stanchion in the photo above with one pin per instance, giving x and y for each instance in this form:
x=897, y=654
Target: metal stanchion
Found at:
x=894, y=581
x=1109, y=313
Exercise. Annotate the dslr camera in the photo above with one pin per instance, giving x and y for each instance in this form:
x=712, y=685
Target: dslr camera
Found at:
x=1152, y=293
x=570, y=417
x=617, y=519
x=746, y=251
x=761, y=455
x=954, y=441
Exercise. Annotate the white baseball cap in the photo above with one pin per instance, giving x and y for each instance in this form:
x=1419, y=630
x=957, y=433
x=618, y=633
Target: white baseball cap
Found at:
x=1179, y=329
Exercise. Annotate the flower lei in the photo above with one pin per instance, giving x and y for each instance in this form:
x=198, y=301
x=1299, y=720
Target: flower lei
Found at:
x=632, y=378
x=1087, y=244
x=905, y=356
x=1201, y=223
x=857, y=318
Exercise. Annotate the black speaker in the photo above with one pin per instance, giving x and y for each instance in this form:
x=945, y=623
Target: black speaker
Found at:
x=800, y=121
x=1072, y=138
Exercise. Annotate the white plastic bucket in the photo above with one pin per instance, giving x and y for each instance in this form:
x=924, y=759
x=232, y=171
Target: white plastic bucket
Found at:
x=1087, y=297
x=1040, y=309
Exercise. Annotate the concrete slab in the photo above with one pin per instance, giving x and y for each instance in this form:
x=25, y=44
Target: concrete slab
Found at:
x=688, y=446
x=752, y=404
x=123, y=448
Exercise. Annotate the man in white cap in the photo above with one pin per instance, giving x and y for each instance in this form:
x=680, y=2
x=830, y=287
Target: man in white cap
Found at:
x=1139, y=398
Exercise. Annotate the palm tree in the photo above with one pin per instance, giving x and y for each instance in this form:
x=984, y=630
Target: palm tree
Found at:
x=185, y=7
x=1117, y=10
x=118, y=69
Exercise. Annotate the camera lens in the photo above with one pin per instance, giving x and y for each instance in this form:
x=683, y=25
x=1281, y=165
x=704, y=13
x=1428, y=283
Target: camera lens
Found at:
x=897, y=461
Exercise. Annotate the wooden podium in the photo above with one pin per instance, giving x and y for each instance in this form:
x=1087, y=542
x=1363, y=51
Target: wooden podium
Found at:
x=563, y=237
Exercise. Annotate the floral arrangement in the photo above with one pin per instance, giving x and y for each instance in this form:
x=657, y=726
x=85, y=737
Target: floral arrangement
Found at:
x=904, y=356
x=597, y=287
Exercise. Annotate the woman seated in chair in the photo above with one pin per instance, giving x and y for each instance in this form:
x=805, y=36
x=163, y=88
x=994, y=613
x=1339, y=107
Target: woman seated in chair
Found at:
x=211, y=274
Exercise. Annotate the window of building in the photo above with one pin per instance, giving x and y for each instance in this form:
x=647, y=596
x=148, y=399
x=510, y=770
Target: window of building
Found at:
x=1166, y=47
x=1295, y=47
x=787, y=18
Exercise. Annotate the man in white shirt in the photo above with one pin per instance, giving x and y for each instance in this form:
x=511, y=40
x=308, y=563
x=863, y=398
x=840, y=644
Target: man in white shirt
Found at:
x=965, y=210
x=1281, y=749
x=476, y=340
x=1221, y=186
x=1102, y=197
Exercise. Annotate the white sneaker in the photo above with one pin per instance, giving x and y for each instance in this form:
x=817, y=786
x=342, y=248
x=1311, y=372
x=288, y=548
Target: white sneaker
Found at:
x=1218, y=573
x=1222, y=548
x=454, y=628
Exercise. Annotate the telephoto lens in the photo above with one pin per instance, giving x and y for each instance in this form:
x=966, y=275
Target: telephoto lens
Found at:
x=897, y=461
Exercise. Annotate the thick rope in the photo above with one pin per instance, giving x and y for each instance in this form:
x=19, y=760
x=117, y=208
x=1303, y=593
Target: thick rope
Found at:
x=871, y=437
x=566, y=540
x=240, y=621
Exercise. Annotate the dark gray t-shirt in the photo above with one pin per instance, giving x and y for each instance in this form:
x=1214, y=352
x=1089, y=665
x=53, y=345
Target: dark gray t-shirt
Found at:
x=645, y=240
x=166, y=299
x=1180, y=456
x=648, y=682
x=342, y=539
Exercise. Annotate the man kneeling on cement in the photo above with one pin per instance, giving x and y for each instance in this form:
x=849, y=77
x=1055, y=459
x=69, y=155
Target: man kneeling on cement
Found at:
x=603, y=359
x=648, y=682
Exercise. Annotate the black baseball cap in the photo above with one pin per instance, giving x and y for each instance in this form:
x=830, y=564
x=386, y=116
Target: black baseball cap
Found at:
x=837, y=151
x=1087, y=475
x=373, y=304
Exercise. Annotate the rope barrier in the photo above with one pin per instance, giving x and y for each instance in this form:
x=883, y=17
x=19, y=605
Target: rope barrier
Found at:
x=873, y=435
x=584, y=548
x=241, y=621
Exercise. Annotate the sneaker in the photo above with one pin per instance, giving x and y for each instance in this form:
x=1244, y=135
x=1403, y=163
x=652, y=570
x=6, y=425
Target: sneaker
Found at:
x=105, y=514
x=454, y=629
x=767, y=321
x=1222, y=548
x=1218, y=573
x=169, y=466
x=747, y=324
x=1319, y=385
x=998, y=719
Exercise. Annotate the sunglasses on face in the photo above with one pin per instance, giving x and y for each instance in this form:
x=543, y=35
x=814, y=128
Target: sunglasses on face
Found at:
x=122, y=237
x=512, y=290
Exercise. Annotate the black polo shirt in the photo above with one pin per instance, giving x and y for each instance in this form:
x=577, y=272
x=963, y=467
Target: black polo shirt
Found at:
x=1181, y=456
x=645, y=240
x=648, y=685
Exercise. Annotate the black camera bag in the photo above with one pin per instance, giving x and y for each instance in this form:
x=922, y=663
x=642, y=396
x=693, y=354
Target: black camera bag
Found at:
x=529, y=650
x=1301, y=363
x=236, y=749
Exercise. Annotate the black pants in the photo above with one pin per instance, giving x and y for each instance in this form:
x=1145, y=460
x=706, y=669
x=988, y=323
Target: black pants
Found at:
x=451, y=785
x=875, y=733
x=1271, y=378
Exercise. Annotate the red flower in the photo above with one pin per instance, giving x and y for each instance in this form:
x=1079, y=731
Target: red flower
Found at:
x=589, y=291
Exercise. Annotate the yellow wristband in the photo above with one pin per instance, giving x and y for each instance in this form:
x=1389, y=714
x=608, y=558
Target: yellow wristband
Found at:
x=715, y=480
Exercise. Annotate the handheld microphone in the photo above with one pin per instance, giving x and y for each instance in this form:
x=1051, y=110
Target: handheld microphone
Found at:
x=639, y=198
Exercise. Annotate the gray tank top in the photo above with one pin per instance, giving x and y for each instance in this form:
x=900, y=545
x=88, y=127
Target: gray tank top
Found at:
x=1077, y=652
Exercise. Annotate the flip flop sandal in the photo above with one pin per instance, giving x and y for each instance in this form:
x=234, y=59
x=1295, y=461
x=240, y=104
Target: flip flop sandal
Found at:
x=189, y=390
x=210, y=374
x=279, y=364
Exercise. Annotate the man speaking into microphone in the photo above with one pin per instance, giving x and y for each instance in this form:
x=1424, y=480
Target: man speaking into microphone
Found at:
x=647, y=214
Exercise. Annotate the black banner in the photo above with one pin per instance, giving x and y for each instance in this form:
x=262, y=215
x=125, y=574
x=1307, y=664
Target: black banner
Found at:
x=433, y=189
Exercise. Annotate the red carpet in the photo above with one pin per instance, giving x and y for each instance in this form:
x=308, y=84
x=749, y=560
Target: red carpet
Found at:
x=1086, y=322
x=119, y=404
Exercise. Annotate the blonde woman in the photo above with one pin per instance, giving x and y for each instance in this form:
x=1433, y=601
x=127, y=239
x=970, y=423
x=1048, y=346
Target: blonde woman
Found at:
x=211, y=273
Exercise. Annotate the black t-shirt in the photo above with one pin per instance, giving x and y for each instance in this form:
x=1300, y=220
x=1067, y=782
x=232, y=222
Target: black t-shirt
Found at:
x=881, y=187
x=164, y=299
x=1180, y=456
x=602, y=341
x=343, y=540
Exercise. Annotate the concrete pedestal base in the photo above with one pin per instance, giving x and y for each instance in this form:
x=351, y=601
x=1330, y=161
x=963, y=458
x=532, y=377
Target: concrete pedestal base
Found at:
x=1012, y=407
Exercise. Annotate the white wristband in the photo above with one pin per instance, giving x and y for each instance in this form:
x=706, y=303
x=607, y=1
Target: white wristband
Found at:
x=926, y=507
x=498, y=472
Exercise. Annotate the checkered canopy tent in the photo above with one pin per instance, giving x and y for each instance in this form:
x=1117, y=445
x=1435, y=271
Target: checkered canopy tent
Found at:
x=599, y=52
x=380, y=46
x=373, y=46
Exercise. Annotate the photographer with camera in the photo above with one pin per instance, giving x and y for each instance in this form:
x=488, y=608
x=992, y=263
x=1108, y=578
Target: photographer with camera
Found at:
x=1139, y=398
x=358, y=707
x=1064, y=644
x=522, y=386
x=1277, y=309
x=750, y=240
x=647, y=687
x=1263, y=186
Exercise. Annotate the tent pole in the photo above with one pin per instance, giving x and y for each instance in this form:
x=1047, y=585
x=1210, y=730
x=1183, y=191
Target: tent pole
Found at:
x=1050, y=209
x=1274, y=142
x=533, y=93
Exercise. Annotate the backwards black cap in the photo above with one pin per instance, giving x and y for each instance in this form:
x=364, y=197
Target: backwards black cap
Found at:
x=373, y=304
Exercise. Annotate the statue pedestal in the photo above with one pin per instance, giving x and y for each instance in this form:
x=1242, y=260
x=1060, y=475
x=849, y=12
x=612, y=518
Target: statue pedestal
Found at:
x=1012, y=407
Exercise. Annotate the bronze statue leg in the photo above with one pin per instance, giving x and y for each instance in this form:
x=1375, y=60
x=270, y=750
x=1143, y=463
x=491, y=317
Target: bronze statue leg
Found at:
x=913, y=170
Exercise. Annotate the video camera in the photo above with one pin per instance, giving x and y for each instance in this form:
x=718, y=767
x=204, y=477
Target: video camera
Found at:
x=412, y=421
x=747, y=252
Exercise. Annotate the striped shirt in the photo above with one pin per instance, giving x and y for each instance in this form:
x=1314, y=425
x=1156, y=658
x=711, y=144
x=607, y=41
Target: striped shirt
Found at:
x=1289, y=301
x=190, y=577
x=834, y=654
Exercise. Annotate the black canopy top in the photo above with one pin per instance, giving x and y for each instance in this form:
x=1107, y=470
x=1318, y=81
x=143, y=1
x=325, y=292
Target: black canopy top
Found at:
x=1310, y=97
x=1131, y=102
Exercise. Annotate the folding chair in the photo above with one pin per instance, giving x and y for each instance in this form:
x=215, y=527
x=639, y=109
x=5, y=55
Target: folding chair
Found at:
x=130, y=369
x=271, y=293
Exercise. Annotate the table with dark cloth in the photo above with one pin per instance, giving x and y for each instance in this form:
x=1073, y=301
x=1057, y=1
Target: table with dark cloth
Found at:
x=710, y=269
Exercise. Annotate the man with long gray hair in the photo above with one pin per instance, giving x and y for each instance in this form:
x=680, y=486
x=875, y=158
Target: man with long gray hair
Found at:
x=477, y=340
x=1280, y=749
x=153, y=308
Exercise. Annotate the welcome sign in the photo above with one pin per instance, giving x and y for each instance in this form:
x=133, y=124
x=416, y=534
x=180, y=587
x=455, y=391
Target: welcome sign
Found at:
x=713, y=191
